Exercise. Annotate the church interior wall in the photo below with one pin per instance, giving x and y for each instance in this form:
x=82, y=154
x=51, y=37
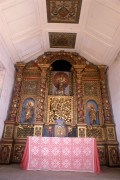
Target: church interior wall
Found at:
x=7, y=85
x=114, y=86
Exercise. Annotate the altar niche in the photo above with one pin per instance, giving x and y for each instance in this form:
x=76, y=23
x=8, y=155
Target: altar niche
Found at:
x=60, y=101
x=92, y=113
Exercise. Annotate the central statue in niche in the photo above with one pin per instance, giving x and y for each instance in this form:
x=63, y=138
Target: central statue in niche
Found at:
x=61, y=81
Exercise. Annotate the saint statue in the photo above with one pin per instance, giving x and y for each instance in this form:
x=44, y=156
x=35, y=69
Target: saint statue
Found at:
x=29, y=111
x=92, y=114
x=61, y=81
x=61, y=86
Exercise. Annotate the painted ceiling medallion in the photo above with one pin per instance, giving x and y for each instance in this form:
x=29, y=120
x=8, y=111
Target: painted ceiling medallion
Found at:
x=62, y=40
x=65, y=11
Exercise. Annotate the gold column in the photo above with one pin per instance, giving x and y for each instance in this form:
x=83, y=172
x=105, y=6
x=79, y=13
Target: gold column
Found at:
x=104, y=92
x=16, y=93
x=41, y=102
x=7, y=141
x=79, y=93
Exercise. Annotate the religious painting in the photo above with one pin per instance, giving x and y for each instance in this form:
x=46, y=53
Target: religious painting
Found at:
x=92, y=113
x=62, y=40
x=27, y=114
x=30, y=86
x=67, y=11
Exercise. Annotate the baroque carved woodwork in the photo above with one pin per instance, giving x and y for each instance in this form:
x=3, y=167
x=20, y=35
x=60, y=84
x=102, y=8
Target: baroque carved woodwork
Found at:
x=113, y=155
x=62, y=40
x=60, y=107
x=72, y=103
x=66, y=11
x=102, y=154
x=17, y=152
x=5, y=152
x=8, y=131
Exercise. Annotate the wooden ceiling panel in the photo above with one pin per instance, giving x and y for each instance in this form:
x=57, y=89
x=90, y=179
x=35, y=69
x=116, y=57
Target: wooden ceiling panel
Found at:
x=67, y=11
x=88, y=27
x=62, y=40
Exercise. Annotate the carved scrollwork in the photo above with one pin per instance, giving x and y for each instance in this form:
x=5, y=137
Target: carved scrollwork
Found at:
x=82, y=132
x=113, y=155
x=5, y=152
x=38, y=130
x=23, y=132
x=96, y=132
x=18, y=152
x=102, y=155
x=60, y=107
x=110, y=133
x=8, y=133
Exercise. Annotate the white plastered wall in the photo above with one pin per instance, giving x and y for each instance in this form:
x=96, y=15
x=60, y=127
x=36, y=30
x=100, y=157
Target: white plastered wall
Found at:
x=114, y=85
x=7, y=84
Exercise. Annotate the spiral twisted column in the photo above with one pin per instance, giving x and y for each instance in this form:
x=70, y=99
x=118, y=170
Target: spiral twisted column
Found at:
x=42, y=93
x=79, y=93
x=104, y=91
x=16, y=93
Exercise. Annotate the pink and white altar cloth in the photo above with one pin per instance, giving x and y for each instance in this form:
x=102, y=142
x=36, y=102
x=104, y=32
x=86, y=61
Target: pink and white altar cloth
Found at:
x=61, y=154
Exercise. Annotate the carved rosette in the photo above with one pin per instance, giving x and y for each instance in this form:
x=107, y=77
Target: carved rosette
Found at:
x=16, y=93
x=105, y=98
x=80, y=110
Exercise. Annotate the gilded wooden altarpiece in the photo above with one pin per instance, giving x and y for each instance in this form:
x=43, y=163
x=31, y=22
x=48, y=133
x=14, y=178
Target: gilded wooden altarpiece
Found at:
x=38, y=103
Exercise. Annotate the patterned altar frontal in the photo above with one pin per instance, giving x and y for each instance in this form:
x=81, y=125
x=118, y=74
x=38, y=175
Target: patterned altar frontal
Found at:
x=66, y=154
x=67, y=11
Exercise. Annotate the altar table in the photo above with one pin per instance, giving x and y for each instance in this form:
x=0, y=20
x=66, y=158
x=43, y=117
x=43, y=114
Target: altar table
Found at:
x=61, y=154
